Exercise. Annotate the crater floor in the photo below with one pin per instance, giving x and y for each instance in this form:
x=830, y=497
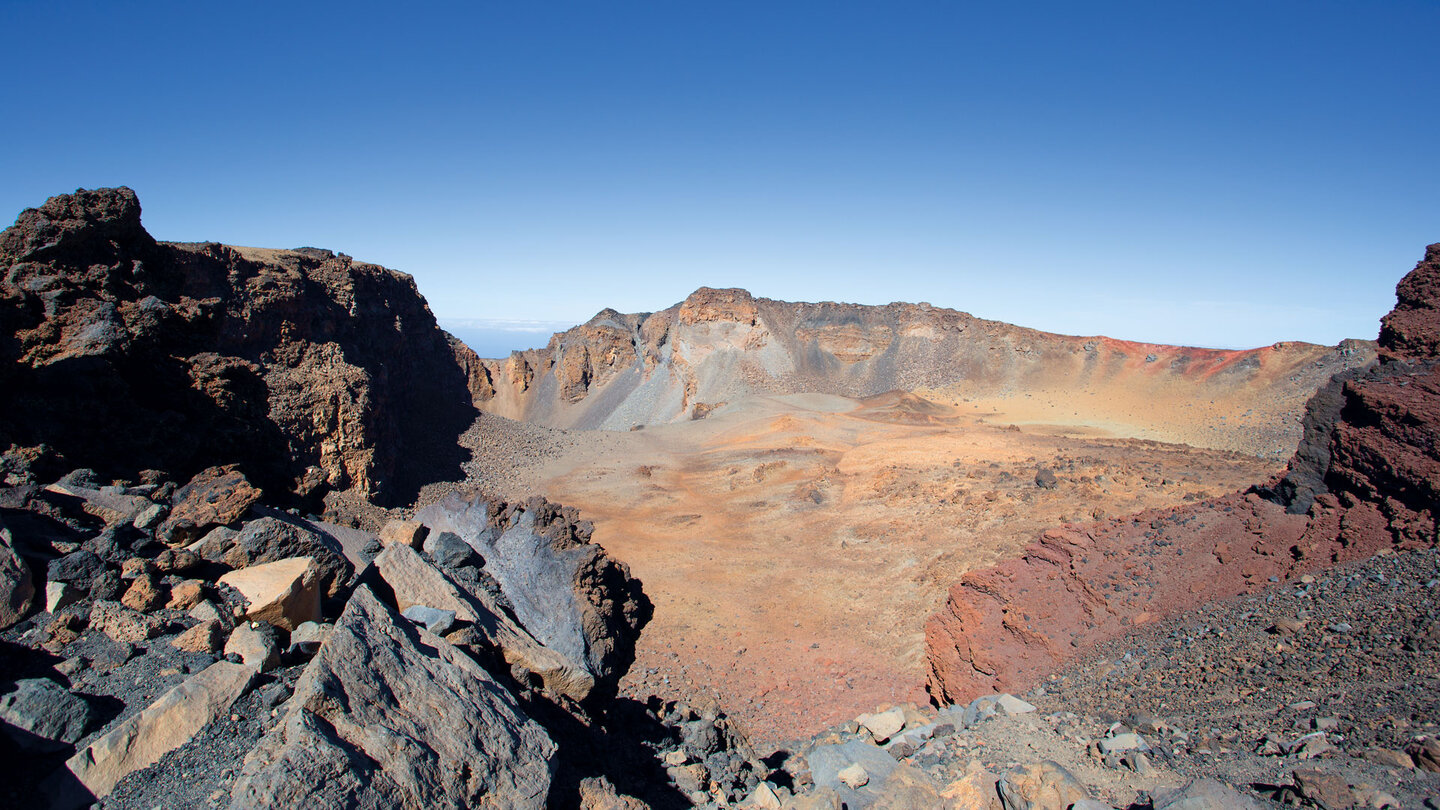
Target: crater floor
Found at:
x=794, y=545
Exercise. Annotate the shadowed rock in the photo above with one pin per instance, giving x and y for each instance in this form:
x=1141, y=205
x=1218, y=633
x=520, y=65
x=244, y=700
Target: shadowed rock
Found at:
x=388, y=715
x=566, y=591
x=314, y=371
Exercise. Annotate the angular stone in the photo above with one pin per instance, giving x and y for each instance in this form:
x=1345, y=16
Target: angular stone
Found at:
x=139, y=741
x=907, y=788
x=388, y=715
x=17, y=588
x=1325, y=790
x=405, y=532
x=974, y=791
x=79, y=568
x=884, y=725
x=1042, y=786
x=827, y=761
x=59, y=595
x=853, y=775
x=416, y=582
x=435, y=620
x=123, y=624
x=270, y=539
x=764, y=797
x=214, y=497
x=256, y=646
x=145, y=594
x=206, y=611
x=1426, y=753
x=186, y=595
x=566, y=592
x=1011, y=705
x=449, y=551
x=283, y=593
x=1205, y=794
x=205, y=637
x=112, y=507
x=1126, y=741
x=42, y=716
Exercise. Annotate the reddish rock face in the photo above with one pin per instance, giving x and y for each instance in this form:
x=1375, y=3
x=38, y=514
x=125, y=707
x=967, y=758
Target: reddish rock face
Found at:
x=313, y=371
x=1366, y=477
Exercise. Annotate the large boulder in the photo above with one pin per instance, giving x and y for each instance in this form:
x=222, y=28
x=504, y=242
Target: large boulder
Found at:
x=314, y=371
x=417, y=583
x=565, y=590
x=388, y=715
x=285, y=593
x=141, y=739
x=218, y=496
x=270, y=539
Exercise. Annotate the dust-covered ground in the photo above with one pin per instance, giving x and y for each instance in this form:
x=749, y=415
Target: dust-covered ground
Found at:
x=795, y=545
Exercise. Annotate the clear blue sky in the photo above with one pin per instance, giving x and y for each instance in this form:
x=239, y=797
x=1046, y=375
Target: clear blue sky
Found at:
x=1219, y=173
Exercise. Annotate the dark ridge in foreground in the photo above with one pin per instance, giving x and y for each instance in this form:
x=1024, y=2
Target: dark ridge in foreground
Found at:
x=314, y=371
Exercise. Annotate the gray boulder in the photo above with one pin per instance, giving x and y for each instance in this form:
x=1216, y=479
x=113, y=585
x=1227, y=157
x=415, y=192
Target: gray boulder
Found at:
x=389, y=715
x=1205, y=794
x=449, y=551
x=1041, y=786
x=566, y=591
x=828, y=761
x=42, y=716
x=17, y=589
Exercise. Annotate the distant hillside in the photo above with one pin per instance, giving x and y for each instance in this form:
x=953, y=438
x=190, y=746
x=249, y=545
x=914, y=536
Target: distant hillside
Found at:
x=617, y=371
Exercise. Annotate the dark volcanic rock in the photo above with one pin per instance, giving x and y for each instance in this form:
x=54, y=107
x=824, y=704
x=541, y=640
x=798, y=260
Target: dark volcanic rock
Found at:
x=388, y=716
x=311, y=370
x=566, y=591
x=268, y=540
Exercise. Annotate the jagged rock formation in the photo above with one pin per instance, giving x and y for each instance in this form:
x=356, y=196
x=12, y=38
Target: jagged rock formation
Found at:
x=313, y=371
x=432, y=676
x=1365, y=478
x=718, y=346
x=568, y=593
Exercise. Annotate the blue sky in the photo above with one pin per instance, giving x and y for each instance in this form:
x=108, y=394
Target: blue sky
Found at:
x=1222, y=174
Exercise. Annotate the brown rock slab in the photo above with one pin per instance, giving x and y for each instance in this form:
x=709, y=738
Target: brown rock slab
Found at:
x=1041, y=786
x=140, y=740
x=388, y=715
x=405, y=532
x=186, y=595
x=205, y=637
x=145, y=594
x=215, y=497
x=283, y=593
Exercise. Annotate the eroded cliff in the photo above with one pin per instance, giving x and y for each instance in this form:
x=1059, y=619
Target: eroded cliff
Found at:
x=314, y=371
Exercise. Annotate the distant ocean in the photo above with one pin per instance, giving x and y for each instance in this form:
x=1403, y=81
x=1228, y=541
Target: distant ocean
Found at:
x=497, y=338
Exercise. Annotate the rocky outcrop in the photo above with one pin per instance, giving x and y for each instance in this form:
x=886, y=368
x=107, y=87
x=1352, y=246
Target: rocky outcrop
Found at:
x=1365, y=479
x=311, y=370
x=616, y=371
x=565, y=591
x=387, y=715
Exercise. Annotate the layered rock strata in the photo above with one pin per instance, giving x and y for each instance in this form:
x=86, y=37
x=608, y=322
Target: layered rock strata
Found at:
x=718, y=346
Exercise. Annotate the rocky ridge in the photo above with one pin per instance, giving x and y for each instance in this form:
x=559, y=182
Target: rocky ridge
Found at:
x=313, y=371
x=617, y=371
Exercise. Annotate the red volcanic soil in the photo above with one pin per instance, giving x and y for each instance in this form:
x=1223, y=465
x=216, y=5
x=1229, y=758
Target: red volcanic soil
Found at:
x=1365, y=479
